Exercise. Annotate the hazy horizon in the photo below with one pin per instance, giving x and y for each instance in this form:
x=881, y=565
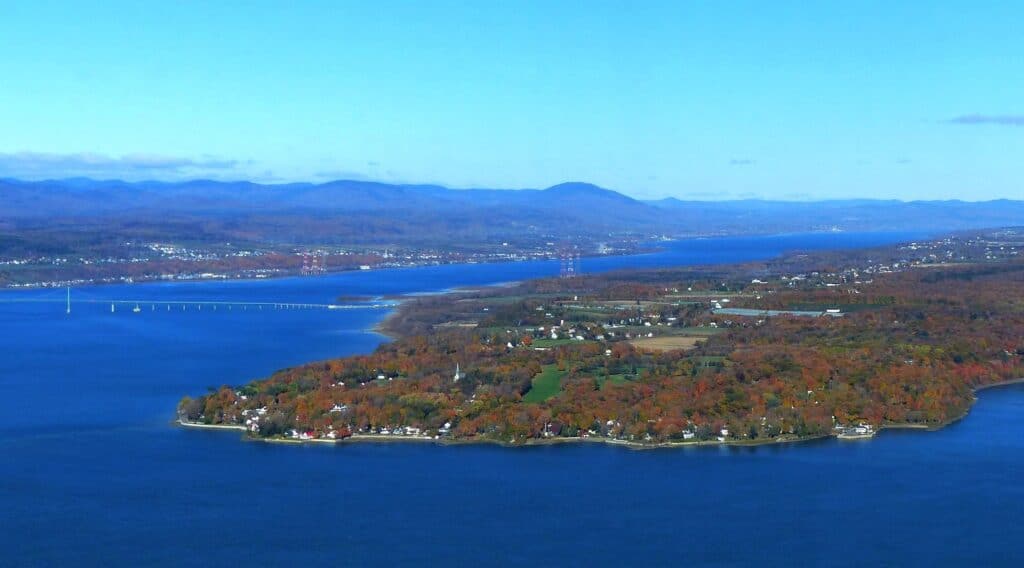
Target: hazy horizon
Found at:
x=694, y=101
x=705, y=199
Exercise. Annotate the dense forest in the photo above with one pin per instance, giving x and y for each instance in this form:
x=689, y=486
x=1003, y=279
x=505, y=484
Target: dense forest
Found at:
x=653, y=357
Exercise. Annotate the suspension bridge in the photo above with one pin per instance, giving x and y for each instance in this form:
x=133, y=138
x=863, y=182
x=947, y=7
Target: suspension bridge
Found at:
x=156, y=304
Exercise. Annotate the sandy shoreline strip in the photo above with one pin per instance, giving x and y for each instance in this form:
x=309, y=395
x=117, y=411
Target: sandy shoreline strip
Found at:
x=387, y=438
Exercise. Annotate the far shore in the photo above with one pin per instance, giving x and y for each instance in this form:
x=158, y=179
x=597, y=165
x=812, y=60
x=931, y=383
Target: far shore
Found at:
x=286, y=273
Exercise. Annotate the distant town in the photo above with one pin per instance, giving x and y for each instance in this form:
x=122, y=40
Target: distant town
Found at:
x=141, y=261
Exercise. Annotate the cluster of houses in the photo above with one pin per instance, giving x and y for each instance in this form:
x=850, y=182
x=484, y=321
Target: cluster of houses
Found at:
x=580, y=332
x=590, y=331
x=410, y=432
x=860, y=430
x=252, y=418
x=998, y=246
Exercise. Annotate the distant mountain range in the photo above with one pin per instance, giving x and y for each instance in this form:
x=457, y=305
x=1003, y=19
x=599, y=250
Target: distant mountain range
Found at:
x=352, y=211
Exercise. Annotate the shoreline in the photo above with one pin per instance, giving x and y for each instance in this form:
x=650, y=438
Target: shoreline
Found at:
x=286, y=273
x=539, y=442
x=999, y=384
x=383, y=328
x=643, y=248
x=959, y=417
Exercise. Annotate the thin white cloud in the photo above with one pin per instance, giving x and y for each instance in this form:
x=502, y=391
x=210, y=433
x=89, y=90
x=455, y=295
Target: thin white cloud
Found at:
x=50, y=165
x=996, y=119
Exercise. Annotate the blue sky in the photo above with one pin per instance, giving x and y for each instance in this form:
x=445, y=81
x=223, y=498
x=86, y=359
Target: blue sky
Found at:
x=704, y=100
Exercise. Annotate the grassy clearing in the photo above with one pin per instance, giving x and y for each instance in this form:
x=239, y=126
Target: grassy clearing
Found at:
x=546, y=384
x=604, y=380
x=666, y=343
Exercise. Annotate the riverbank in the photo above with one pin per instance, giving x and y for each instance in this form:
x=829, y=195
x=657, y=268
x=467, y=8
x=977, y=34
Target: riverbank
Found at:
x=1000, y=384
x=385, y=327
x=633, y=445
x=278, y=273
x=210, y=426
x=532, y=442
x=957, y=418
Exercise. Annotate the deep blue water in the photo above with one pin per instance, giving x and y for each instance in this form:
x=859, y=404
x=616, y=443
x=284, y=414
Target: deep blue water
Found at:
x=92, y=472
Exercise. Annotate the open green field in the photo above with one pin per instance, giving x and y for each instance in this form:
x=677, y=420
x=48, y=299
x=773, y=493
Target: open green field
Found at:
x=546, y=384
x=604, y=380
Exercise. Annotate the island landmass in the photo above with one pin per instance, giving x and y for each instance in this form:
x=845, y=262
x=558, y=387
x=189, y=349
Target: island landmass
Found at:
x=804, y=346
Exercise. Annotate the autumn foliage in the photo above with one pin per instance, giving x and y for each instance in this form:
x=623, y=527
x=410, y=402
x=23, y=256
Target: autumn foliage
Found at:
x=910, y=349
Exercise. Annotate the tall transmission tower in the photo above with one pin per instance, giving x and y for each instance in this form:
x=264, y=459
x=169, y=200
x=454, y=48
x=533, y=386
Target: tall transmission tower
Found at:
x=314, y=263
x=569, y=262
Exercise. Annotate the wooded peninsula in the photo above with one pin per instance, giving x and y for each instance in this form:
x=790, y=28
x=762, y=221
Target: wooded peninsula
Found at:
x=807, y=345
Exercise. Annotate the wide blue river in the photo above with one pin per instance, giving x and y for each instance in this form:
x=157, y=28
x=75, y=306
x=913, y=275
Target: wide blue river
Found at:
x=92, y=472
